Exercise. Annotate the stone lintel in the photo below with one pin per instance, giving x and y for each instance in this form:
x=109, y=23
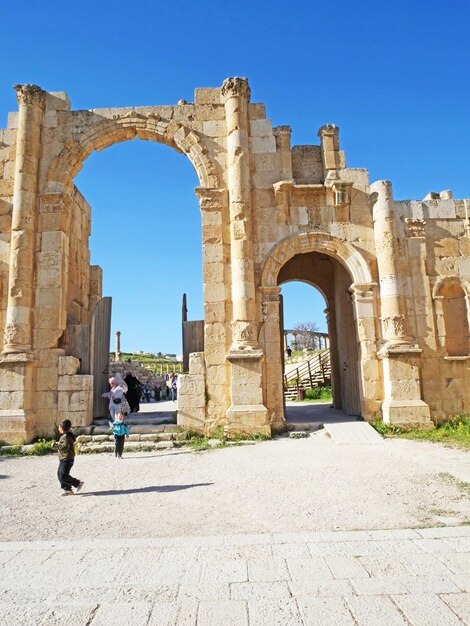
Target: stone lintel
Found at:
x=398, y=350
x=245, y=355
x=16, y=358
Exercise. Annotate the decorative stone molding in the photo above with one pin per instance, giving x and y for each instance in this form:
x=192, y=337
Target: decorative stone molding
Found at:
x=315, y=242
x=415, y=228
x=395, y=326
x=363, y=290
x=212, y=199
x=270, y=294
x=30, y=95
x=342, y=194
x=244, y=333
x=235, y=86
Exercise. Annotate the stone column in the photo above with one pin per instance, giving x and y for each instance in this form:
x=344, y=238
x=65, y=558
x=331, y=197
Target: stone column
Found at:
x=236, y=94
x=393, y=313
x=247, y=412
x=32, y=102
x=274, y=361
x=118, y=345
x=402, y=403
x=363, y=298
x=282, y=135
x=329, y=144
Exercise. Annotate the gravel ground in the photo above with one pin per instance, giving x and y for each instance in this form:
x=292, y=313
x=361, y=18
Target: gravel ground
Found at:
x=276, y=486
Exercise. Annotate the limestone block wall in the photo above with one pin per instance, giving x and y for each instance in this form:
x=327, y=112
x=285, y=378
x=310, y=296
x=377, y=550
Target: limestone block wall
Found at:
x=404, y=291
x=75, y=393
x=192, y=396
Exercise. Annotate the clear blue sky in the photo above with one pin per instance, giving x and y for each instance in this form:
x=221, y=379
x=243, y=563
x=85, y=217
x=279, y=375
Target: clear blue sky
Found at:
x=394, y=76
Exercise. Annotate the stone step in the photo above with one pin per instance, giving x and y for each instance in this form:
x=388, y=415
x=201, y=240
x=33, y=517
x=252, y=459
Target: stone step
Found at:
x=130, y=446
x=166, y=418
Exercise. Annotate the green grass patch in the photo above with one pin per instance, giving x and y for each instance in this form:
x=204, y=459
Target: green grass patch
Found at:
x=41, y=447
x=199, y=442
x=11, y=451
x=454, y=432
x=322, y=394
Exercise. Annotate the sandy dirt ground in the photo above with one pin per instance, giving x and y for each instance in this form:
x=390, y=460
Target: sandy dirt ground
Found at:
x=282, y=485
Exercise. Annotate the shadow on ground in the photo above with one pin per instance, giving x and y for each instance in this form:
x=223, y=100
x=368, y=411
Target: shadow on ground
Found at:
x=160, y=489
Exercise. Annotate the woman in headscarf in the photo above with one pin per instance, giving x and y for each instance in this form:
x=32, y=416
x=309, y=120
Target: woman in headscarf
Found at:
x=116, y=395
x=133, y=393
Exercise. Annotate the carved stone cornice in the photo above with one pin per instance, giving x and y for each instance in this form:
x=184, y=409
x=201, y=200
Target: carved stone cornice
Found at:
x=30, y=95
x=212, y=199
x=235, y=86
x=363, y=290
x=415, y=228
x=328, y=129
x=270, y=294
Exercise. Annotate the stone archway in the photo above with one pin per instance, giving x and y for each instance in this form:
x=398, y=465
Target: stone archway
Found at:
x=103, y=133
x=352, y=302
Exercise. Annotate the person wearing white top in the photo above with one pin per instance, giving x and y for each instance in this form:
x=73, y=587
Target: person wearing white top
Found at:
x=115, y=394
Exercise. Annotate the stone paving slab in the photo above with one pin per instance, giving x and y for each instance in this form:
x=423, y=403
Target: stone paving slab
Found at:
x=353, y=432
x=362, y=578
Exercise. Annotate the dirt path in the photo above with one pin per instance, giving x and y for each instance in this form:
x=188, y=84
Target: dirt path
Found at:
x=276, y=486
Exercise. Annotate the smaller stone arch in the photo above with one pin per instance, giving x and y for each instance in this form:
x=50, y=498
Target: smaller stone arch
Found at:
x=105, y=132
x=451, y=296
x=447, y=281
x=316, y=241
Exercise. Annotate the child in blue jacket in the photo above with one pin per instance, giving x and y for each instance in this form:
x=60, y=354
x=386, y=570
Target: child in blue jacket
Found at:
x=120, y=431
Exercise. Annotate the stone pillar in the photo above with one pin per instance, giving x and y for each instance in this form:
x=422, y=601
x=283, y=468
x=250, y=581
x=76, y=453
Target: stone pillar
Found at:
x=282, y=135
x=273, y=345
x=247, y=412
x=32, y=102
x=216, y=269
x=363, y=297
x=236, y=94
x=118, y=345
x=393, y=313
x=329, y=144
x=402, y=403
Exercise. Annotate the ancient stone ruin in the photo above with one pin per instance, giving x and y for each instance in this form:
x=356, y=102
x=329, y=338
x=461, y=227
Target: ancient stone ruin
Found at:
x=395, y=274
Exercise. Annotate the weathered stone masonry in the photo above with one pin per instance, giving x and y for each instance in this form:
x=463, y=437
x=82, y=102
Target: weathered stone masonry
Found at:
x=395, y=274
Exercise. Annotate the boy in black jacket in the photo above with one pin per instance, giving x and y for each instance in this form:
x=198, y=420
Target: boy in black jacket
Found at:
x=66, y=449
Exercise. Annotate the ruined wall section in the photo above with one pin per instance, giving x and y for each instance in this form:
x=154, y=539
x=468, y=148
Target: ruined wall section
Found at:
x=436, y=251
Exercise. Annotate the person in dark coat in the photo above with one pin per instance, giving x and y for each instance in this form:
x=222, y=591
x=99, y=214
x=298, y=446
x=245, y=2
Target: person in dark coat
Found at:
x=133, y=392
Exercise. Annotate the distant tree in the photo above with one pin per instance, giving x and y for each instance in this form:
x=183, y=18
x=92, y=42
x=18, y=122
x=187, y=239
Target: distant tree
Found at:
x=304, y=333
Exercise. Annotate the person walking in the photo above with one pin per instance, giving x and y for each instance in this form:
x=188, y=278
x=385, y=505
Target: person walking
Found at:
x=174, y=387
x=133, y=392
x=66, y=450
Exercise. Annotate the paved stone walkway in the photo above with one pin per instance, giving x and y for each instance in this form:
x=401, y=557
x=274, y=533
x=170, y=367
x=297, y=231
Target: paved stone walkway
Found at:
x=360, y=578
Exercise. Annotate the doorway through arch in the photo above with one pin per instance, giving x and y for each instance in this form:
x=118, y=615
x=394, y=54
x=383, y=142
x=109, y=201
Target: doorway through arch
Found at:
x=325, y=273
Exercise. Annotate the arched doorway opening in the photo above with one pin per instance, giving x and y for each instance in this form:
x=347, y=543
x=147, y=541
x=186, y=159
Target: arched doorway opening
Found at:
x=329, y=276
x=347, y=285
x=61, y=203
x=146, y=238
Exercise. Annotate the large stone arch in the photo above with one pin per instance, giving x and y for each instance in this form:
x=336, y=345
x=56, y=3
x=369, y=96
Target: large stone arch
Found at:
x=104, y=132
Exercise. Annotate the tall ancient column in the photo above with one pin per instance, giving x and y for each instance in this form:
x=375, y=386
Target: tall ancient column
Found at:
x=400, y=359
x=118, y=345
x=32, y=102
x=247, y=412
x=393, y=315
x=236, y=94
